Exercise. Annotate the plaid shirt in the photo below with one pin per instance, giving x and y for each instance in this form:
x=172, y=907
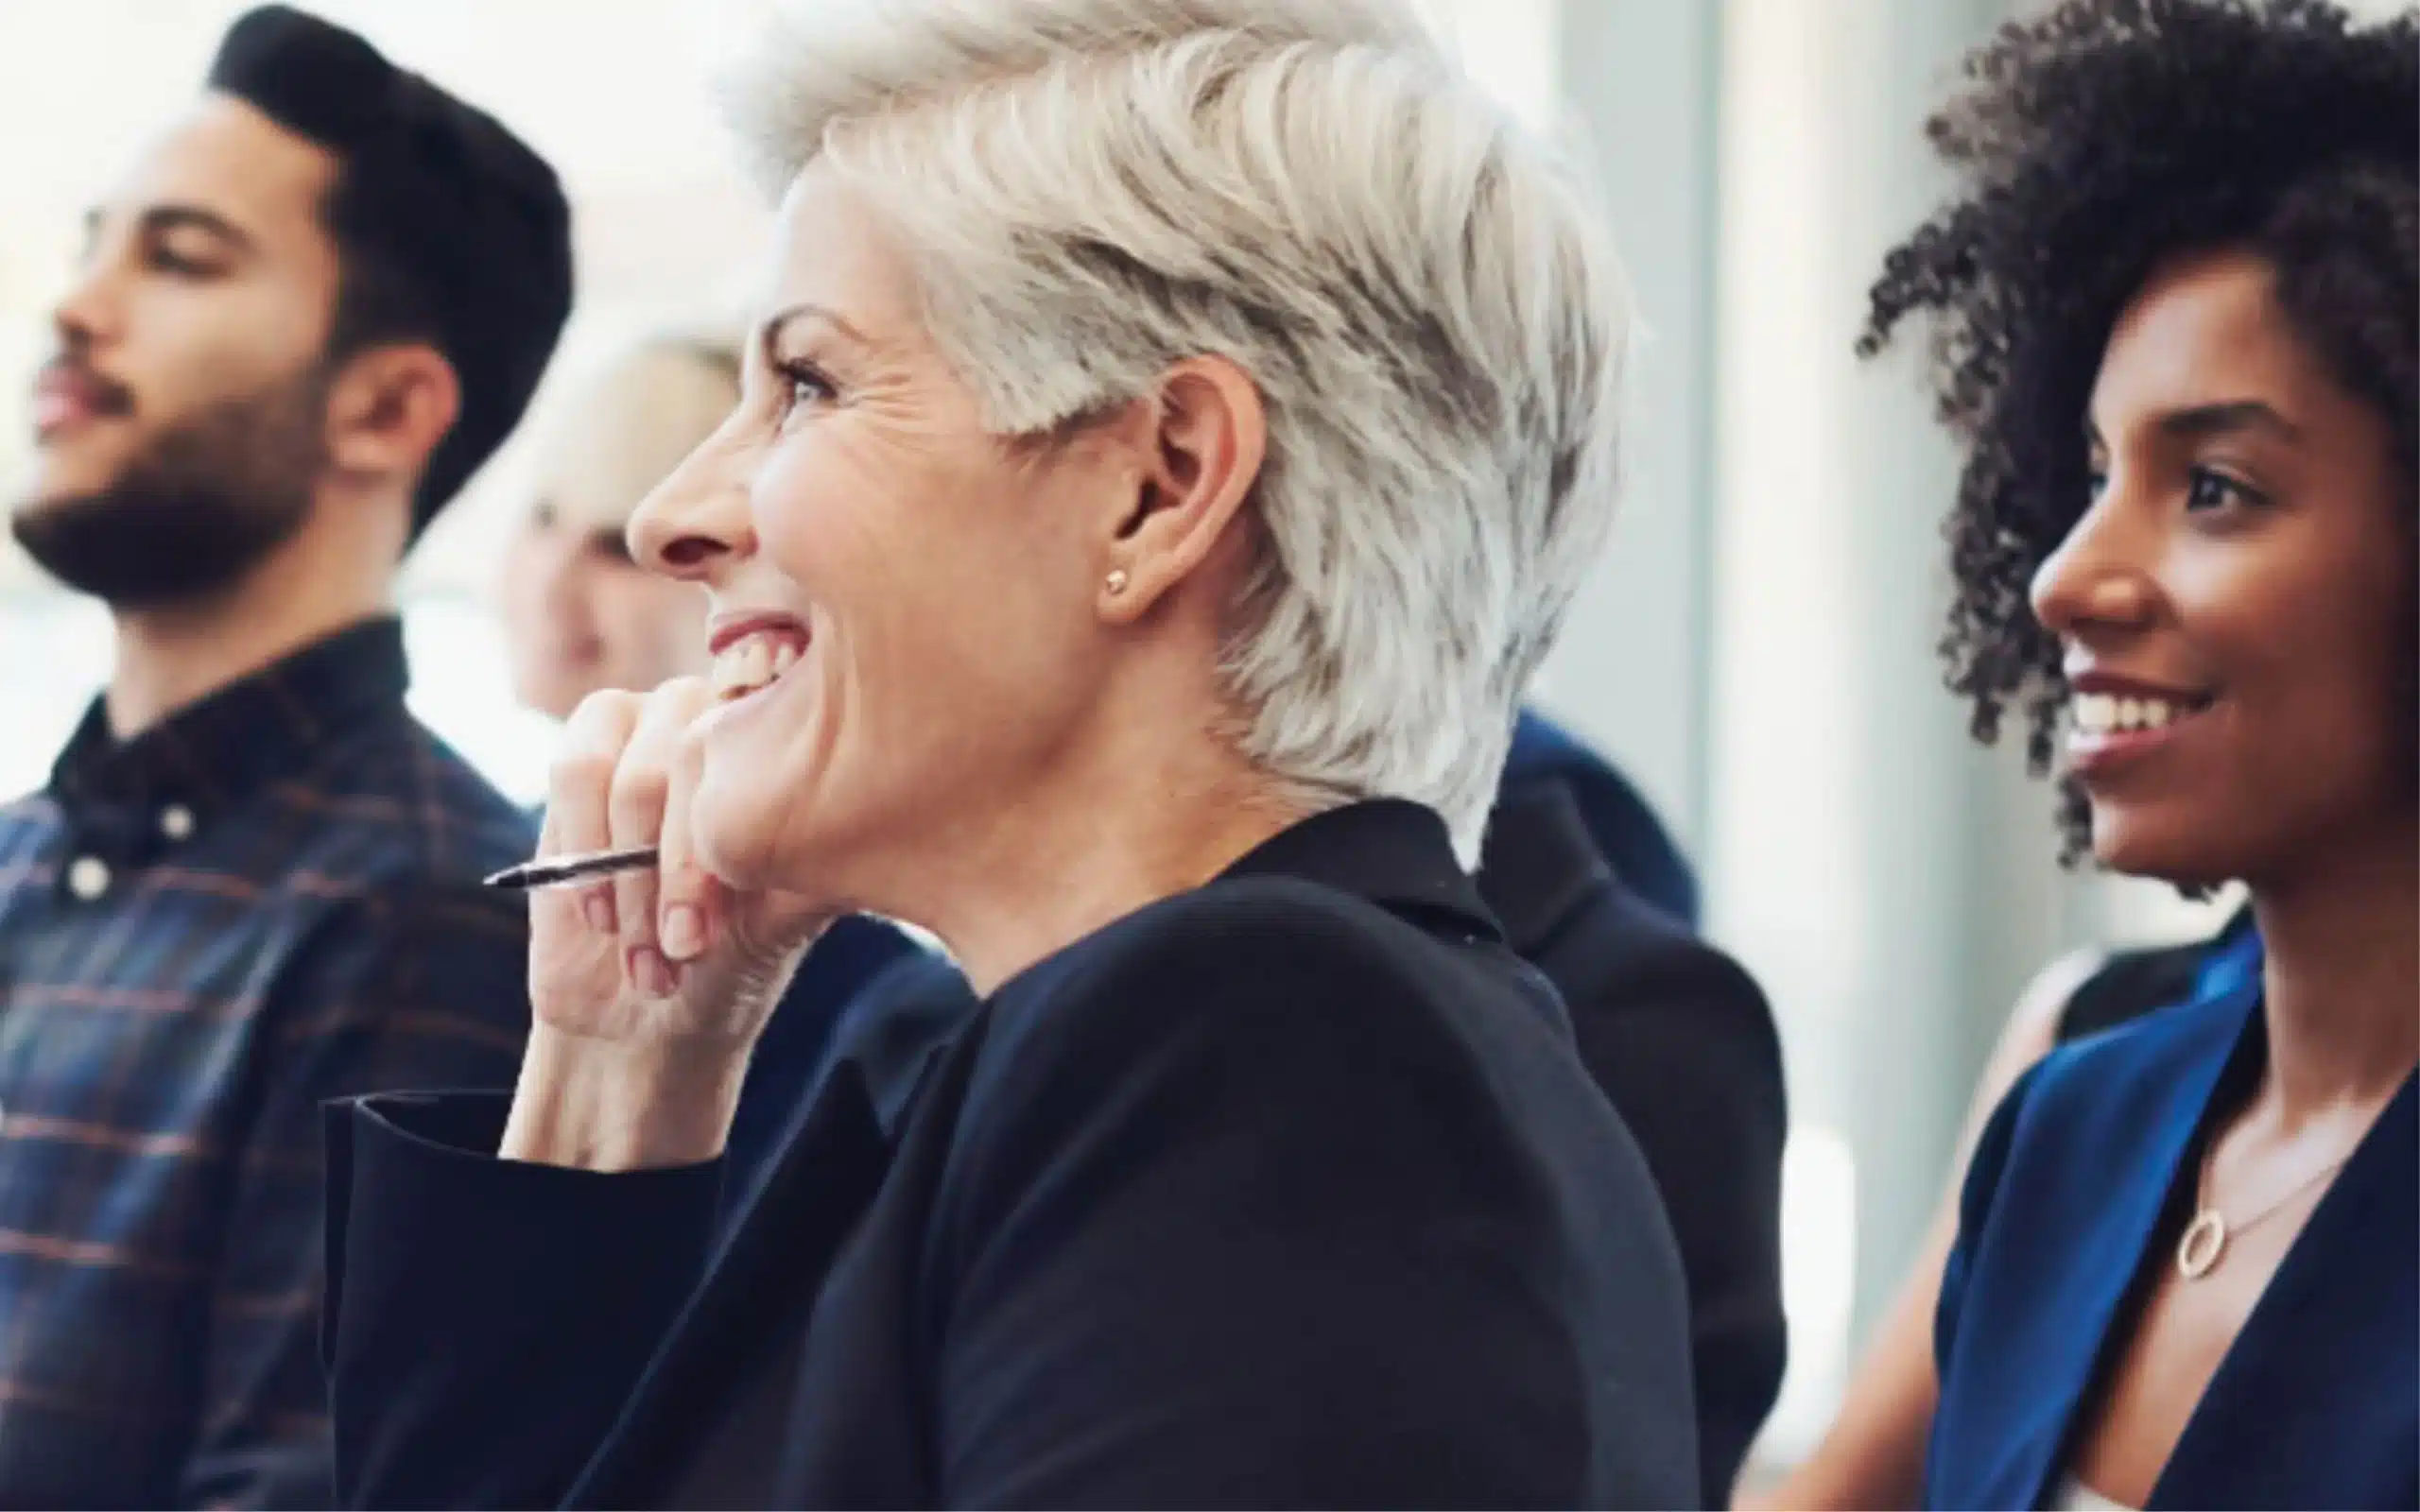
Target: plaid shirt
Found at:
x=266, y=900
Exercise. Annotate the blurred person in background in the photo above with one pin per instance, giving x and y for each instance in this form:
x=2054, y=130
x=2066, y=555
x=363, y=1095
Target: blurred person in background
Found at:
x=303, y=317
x=1622, y=825
x=582, y=616
x=579, y=613
x=2175, y=321
x=1175, y=432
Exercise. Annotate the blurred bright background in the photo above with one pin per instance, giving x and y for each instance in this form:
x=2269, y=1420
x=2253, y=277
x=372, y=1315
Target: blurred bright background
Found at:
x=1757, y=652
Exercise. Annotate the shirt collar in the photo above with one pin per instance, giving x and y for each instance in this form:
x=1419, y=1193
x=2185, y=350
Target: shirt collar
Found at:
x=217, y=752
x=1395, y=853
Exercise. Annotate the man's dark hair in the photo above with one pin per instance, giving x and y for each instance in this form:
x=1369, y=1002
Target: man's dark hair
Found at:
x=2094, y=143
x=448, y=228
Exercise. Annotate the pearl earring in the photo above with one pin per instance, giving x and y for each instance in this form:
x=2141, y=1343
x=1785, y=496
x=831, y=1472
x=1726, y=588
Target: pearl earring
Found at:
x=1116, y=583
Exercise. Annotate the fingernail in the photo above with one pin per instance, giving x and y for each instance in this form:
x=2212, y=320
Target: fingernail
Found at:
x=598, y=910
x=650, y=970
x=684, y=932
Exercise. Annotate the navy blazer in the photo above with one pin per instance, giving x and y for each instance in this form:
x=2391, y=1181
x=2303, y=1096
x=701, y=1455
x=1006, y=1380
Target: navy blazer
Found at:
x=1286, y=1191
x=2075, y=1196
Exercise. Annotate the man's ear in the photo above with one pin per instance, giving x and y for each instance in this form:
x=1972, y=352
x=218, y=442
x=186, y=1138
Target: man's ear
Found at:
x=1201, y=443
x=387, y=409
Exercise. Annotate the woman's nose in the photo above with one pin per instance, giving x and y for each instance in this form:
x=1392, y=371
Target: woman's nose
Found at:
x=693, y=525
x=2099, y=578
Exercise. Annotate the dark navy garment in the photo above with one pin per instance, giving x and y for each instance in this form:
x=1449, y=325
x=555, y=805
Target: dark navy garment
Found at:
x=1631, y=839
x=2133, y=983
x=796, y=1044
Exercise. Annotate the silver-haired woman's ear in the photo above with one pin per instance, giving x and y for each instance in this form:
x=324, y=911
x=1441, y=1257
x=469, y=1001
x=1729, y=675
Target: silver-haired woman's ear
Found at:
x=1175, y=434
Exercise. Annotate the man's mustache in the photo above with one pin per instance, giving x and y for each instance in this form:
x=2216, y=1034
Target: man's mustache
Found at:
x=99, y=393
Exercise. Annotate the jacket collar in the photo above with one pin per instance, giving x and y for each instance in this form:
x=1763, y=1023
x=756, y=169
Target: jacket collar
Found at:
x=1393, y=853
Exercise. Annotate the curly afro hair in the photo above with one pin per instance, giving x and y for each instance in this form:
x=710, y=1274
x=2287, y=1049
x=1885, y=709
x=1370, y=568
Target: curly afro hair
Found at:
x=2095, y=144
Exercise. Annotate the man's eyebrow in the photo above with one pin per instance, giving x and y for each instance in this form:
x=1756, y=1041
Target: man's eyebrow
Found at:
x=166, y=218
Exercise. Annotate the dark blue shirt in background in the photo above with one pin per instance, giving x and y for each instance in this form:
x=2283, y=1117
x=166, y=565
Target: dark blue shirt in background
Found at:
x=1631, y=839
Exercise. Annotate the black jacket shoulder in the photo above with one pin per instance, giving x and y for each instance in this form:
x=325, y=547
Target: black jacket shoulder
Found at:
x=1293, y=1170
x=1287, y=1191
x=1681, y=1041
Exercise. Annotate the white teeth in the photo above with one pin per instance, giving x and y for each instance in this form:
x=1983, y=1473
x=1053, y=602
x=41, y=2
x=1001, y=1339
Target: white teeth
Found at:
x=726, y=674
x=2101, y=714
x=749, y=665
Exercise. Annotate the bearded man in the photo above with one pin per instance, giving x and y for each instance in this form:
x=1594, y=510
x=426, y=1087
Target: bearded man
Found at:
x=306, y=315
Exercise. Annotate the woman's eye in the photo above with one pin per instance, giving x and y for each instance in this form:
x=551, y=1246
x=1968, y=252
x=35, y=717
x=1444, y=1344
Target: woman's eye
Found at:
x=803, y=385
x=611, y=545
x=2208, y=489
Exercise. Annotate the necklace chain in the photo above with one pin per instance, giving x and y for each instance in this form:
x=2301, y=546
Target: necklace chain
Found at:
x=2206, y=1238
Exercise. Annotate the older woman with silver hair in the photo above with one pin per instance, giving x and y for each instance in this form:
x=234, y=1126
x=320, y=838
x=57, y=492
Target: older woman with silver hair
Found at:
x=1176, y=432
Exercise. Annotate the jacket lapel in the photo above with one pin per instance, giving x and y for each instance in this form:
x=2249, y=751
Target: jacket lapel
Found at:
x=828, y=1170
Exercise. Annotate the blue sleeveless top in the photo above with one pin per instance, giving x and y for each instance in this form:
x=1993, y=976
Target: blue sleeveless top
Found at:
x=2076, y=1191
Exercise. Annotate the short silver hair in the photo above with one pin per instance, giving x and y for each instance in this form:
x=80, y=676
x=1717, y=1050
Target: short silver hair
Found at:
x=1425, y=296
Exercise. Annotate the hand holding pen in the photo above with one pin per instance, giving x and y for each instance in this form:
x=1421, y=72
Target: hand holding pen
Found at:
x=650, y=979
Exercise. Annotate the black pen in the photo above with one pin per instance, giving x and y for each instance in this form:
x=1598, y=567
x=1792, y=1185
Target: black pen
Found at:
x=553, y=871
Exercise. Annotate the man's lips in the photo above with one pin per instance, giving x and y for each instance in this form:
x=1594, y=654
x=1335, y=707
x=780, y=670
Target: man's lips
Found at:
x=68, y=395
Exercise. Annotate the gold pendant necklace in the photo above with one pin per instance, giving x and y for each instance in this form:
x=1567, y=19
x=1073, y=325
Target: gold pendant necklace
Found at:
x=2204, y=1241
x=2206, y=1238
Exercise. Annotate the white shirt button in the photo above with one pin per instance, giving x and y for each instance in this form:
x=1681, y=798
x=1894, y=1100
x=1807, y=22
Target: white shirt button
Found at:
x=176, y=821
x=88, y=878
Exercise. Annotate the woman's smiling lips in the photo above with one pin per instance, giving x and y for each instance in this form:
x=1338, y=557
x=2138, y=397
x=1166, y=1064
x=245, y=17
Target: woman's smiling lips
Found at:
x=2115, y=721
x=752, y=650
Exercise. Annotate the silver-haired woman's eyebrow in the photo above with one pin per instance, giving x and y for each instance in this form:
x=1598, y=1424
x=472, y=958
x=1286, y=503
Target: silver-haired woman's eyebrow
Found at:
x=769, y=335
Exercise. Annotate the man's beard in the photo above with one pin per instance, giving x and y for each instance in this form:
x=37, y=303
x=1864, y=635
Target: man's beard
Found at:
x=197, y=509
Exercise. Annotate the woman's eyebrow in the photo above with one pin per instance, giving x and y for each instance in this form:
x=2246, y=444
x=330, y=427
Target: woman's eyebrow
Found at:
x=768, y=336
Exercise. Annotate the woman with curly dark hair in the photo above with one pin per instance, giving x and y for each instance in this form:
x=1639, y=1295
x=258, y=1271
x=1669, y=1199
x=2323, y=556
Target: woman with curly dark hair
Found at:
x=2174, y=320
